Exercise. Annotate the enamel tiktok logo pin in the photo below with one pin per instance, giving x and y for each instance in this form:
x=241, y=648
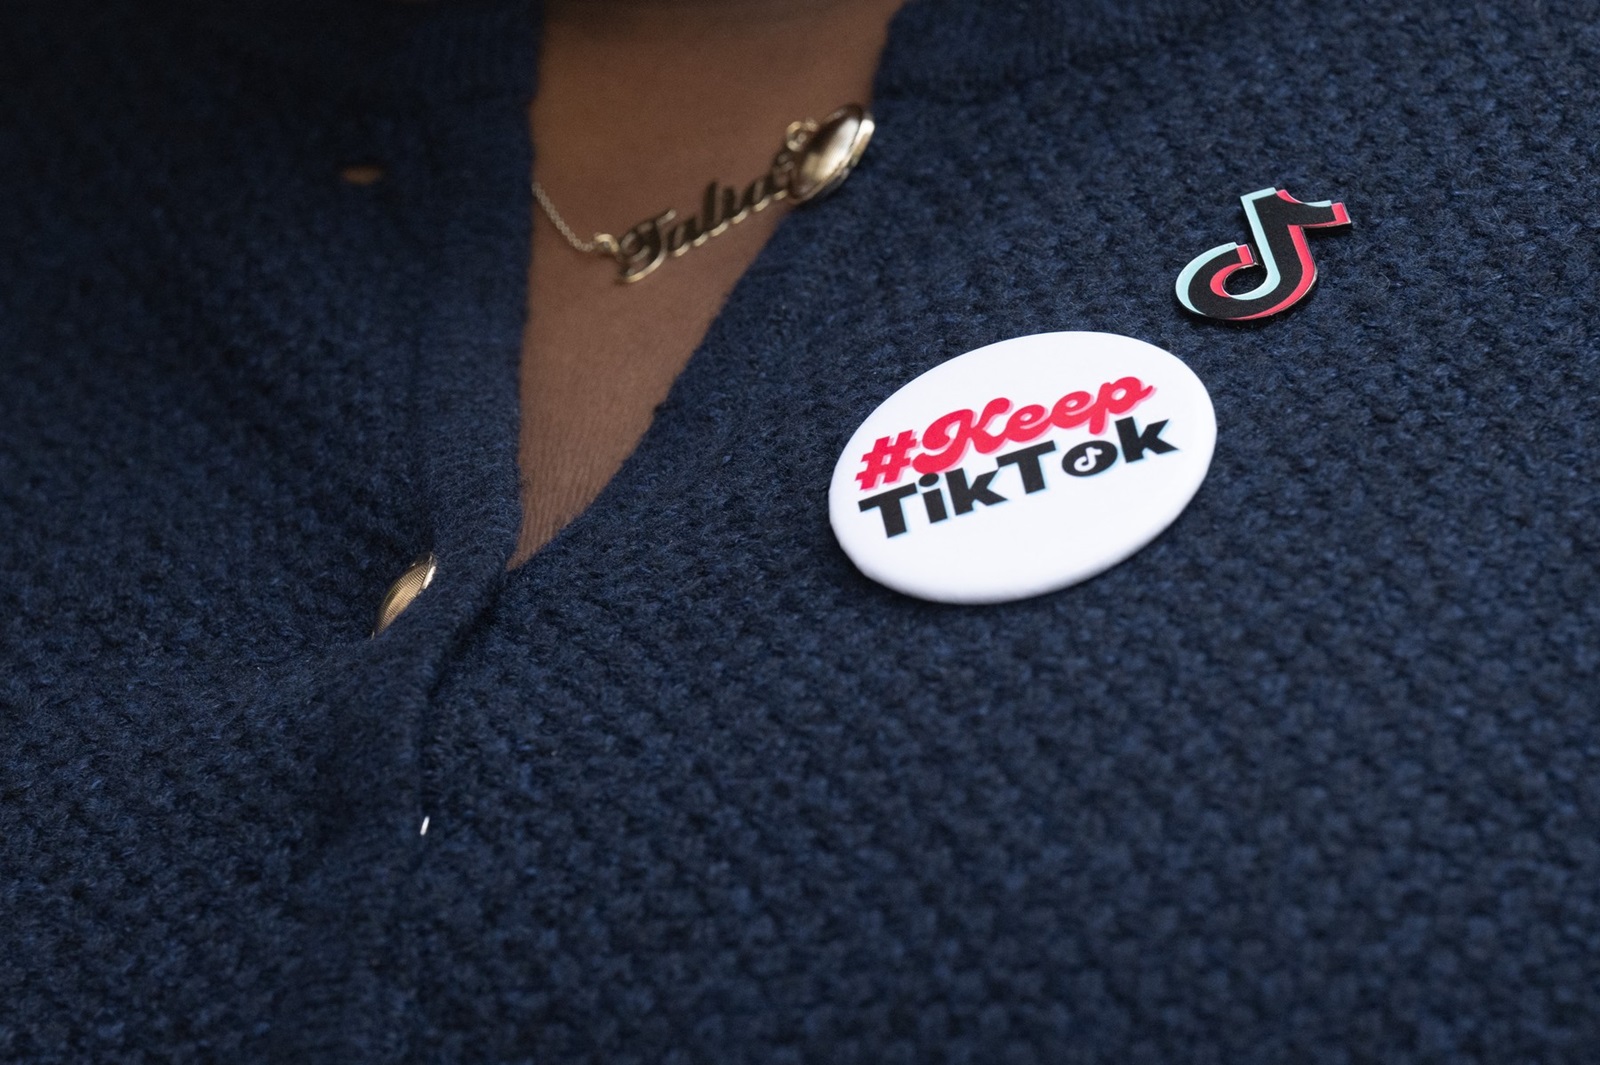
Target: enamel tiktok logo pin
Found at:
x=1022, y=467
x=1278, y=224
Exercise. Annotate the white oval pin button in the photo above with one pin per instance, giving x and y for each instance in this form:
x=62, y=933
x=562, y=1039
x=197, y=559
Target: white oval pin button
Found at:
x=1022, y=467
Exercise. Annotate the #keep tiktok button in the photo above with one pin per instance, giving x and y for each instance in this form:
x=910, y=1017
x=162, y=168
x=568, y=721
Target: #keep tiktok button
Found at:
x=1022, y=467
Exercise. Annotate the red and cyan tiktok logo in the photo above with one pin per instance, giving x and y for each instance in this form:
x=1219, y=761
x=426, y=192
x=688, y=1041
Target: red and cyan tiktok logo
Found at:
x=1280, y=255
x=1022, y=467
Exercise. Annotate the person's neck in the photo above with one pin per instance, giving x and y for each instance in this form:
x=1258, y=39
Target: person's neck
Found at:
x=639, y=106
x=640, y=103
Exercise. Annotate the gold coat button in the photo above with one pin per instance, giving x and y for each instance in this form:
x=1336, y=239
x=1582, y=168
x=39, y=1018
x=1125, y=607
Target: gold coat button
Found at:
x=404, y=591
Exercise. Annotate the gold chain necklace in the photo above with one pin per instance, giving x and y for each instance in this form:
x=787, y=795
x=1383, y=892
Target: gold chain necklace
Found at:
x=815, y=158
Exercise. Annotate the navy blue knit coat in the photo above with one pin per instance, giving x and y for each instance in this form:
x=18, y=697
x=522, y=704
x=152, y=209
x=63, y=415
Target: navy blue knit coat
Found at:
x=1313, y=778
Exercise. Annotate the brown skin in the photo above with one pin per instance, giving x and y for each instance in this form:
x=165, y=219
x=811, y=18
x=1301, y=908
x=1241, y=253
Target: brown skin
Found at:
x=640, y=104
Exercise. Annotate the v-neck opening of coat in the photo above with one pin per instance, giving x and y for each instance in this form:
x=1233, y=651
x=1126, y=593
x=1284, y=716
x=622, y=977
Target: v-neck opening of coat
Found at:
x=469, y=382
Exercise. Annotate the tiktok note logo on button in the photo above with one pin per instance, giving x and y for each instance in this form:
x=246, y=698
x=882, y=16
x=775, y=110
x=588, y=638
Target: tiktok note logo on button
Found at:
x=1022, y=467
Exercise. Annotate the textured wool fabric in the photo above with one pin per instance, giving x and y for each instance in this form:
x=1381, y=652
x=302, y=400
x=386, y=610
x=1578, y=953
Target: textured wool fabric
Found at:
x=1313, y=777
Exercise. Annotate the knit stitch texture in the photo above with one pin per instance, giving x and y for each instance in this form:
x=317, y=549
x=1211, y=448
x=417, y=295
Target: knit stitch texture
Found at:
x=1315, y=777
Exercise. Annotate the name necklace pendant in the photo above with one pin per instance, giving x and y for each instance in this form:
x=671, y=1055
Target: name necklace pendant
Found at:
x=815, y=159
